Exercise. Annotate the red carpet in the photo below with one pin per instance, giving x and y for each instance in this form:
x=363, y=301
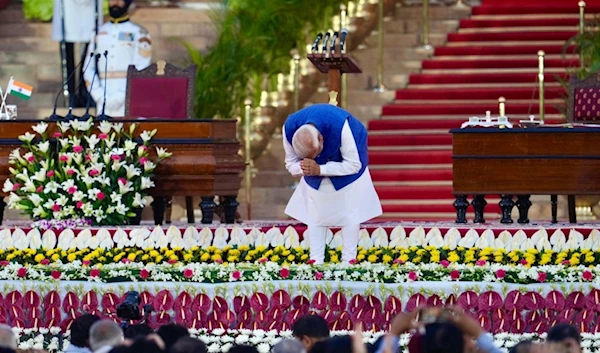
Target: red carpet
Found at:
x=492, y=54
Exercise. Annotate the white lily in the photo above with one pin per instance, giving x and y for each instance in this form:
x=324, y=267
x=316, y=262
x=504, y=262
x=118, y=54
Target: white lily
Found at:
x=8, y=186
x=105, y=127
x=27, y=137
x=43, y=146
x=147, y=183
x=162, y=153
x=117, y=127
x=63, y=142
x=147, y=135
x=78, y=196
x=15, y=154
x=29, y=186
x=92, y=140
x=35, y=199
x=149, y=166
x=64, y=126
x=138, y=200
x=40, y=128
x=132, y=171
x=40, y=175
x=121, y=209
x=51, y=187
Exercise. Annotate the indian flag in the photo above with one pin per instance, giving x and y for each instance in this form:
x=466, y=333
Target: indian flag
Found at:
x=19, y=89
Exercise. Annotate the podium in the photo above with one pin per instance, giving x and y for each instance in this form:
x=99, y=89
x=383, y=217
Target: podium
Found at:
x=334, y=64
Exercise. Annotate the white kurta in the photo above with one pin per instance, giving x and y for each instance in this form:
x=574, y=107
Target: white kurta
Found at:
x=127, y=44
x=353, y=204
x=79, y=20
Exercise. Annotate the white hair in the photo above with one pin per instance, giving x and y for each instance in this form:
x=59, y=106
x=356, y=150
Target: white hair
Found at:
x=306, y=140
x=8, y=339
x=288, y=346
x=105, y=333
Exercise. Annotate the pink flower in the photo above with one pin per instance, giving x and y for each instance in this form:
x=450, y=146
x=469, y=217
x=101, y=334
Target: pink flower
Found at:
x=480, y=263
x=587, y=275
x=100, y=196
x=115, y=157
x=143, y=160
x=125, y=260
x=318, y=275
x=236, y=275
x=86, y=262
x=500, y=274
x=309, y=262
x=39, y=189
x=94, y=172
x=445, y=263
x=16, y=186
x=541, y=277
x=102, y=136
x=172, y=261
x=63, y=158
x=398, y=261
x=188, y=273
x=45, y=262
x=56, y=135
x=94, y=272
x=143, y=147
x=4, y=263
x=523, y=262
x=566, y=262
x=263, y=260
x=353, y=262
x=144, y=273
x=78, y=149
x=412, y=275
x=122, y=181
x=454, y=274
x=284, y=273
x=88, y=157
x=70, y=171
x=79, y=204
x=218, y=261
x=55, y=274
x=31, y=159
x=22, y=272
x=56, y=207
x=50, y=174
x=72, y=190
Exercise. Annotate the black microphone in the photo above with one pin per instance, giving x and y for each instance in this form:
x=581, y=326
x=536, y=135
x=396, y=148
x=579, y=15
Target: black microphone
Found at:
x=70, y=115
x=87, y=115
x=333, y=40
x=327, y=35
x=315, y=46
x=54, y=116
x=104, y=116
x=343, y=40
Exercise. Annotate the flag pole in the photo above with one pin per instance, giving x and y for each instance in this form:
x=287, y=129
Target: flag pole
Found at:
x=4, y=95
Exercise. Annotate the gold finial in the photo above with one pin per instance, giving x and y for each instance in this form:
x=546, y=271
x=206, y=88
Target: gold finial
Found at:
x=333, y=98
x=160, y=67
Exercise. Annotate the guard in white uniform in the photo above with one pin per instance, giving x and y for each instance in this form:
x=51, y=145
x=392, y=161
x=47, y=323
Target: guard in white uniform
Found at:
x=327, y=146
x=127, y=44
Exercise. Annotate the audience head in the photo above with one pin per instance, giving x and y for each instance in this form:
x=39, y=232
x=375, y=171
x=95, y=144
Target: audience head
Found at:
x=307, y=142
x=285, y=346
x=105, y=333
x=80, y=330
x=310, y=329
x=145, y=345
x=170, y=333
x=566, y=334
x=118, y=8
x=134, y=331
x=443, y=337
x=8, y=339
x=188, y=345
x=242, y=348
x=521, y=347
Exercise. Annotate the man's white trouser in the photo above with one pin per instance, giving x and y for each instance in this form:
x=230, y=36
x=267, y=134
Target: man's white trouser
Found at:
x=318, y=236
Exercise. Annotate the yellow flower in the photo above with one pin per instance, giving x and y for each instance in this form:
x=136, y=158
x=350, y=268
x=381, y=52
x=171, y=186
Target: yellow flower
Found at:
x=232, y=258
x=532, y=251
x=205, y=257
x=168, y=253
x=216, y=257
x=158, y=259
x=154, y=253
x=286, y=253
x=268, y=253
x=335, y=259
x=72, y=257
x=260, y=248
x=404, y=257
x=243, y=248
x=372, y=258
x=387, y=259
x=589, y=258
x=453, y=257
x=187, y=257
x=55, y=257
x=195, y=248
x=174, y=258
x=275, y=258
x=421, y=252
x=10, y=257
x=360, y=257
x=248, y=258
x=226, y=248
x=291, y=258
x=131, y=257
x=574, y=261
x=39, y=257
x=304, y=257
x=435, y=258
x=416, y=259
x=145, y=257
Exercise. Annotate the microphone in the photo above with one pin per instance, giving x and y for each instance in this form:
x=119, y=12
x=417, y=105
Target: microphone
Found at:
x=315, y=46
x=87, y=115
x=333, y=39
x=104, y=116
x=54, y=116
x=327, y=35
x=70, y=115
x=343, y=40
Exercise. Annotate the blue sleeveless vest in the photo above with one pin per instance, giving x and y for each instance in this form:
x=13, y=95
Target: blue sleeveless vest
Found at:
x=329, y=120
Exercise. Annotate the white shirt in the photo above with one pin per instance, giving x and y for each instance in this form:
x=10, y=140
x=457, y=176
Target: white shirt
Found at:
x=79, y=20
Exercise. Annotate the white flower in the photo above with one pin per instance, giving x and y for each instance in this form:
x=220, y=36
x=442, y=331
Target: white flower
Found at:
x=13, y=199
x=92, y=140
x=146, y=183
x=121, y=209
x=115, y=198
x=78, y=196
x=129, y=146
x=29, y=186
x=92, y=193
x=64, y=126
x=8, y=186
x=132, y=171
x=149, y=166
x=27, y=137
x=117, y=127
x=125, y=188
x=52, y=187
x=40, y=175
x=40, y=128
x=147, y=135
x=117, y=166
x=43, y=146
x=63, y=142
x=162, y=153
x=263, y=348
x=15, y=154
x=35, y=198
x=105, y=127
x=86, y=125
x=99, y=215
x=138, y=200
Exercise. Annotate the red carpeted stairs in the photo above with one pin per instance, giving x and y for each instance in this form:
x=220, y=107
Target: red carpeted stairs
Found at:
x=493, y=54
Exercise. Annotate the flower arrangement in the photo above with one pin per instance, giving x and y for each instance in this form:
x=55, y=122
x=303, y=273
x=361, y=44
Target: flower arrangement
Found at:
x=82, y=173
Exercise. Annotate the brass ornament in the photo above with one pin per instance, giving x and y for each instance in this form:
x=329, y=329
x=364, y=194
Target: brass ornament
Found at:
x=333, y=98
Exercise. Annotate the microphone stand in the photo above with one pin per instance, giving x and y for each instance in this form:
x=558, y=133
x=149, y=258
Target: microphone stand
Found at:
x=103, y=116
x=54, y=116
x=70, y=115
x=87, y=115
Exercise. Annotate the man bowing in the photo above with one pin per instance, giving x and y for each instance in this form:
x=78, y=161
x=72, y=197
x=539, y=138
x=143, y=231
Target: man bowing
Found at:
x=327, y=146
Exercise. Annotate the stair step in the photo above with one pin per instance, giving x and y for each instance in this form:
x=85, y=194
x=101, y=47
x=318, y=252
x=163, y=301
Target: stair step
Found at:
x=478, y=94
x=496, y=63
x=411, y=193
x=469, y=78
x=410, y=140
x=447, y=208
x=511, y=36
x=466, y=109
x=410, y=157
x=411, y=175
x=499, y=51
x=387, y=125
x=524, y=9
x=541, y=22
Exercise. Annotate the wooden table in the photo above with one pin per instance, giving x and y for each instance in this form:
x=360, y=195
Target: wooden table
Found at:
x=205, y=161
x=523, y=162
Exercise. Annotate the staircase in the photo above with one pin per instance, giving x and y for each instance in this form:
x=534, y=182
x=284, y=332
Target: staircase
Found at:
x=492, y=54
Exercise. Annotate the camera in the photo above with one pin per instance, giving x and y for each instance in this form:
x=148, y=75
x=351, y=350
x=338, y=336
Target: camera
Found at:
x=429, y=315
x=129, y=309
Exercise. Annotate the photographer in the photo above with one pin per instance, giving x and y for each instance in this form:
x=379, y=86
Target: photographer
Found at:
x=104, y=335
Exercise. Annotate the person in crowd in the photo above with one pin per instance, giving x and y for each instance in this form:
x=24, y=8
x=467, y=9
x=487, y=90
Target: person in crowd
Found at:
x=73, y=22
x=189, y=345
x=80, y=334
x=566, y=334
x=104, y=335
x=170, y=333
x=125, y=43
x=134, y=331
x=285, y=346
x=8, y=339
x=310, y=329
x=327, y=147
x=242, y=348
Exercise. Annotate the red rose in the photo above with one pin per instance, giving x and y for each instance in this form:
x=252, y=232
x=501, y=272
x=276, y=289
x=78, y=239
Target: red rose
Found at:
x=454, y=274
x=188, y=273
x=143, y=160
x=85, y=262
x=445, y=263
x=284, y=273
x=218, y=261
x=587, y=275
x=16, y=186
x=56, y=135
x=79, y=204
x=523, y=262
x=262, y=260
x=22, y=272
x=125, y=260
x=115, y=157
x=77, y=149
x=55, y=274
x=144, y=273
x=236, y=275
x=72, y=190
x=122, y=181
x=412, y=275
x=353, y=262
x=398, y=262
x=541, y=277
x=45, y=262
x=39, y=189
x=172, y=261
x=4, y=263
x=480, y=262
x=318, y=275
x=94, y=272
x=500, y=274
x=56, y=208
x=94, y=172
x=70, y=171
x=50, y=174
x=102, y=136
x=63, y=158
x=31, y=159
x=566, y=262
x=310, y=262
x=100, y=196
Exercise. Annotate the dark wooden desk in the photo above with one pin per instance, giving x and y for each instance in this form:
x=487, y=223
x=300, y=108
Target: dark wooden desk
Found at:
x=523, y=162
x=205, y=160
